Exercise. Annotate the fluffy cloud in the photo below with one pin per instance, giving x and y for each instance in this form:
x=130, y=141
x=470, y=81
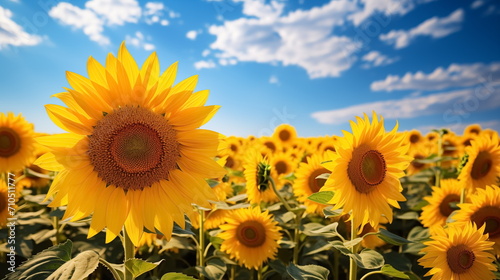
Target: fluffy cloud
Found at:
x=375, y=59
x=456, y=75
x=387, y=7
x=434, y=27
x=116, y=12
x=454, y=106
x=192, y=34
x=154, y=12
x=13, y=34
x=139, y=40
x=204, y=64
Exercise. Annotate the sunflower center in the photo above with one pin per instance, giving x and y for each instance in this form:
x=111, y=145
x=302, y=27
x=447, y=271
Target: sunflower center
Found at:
x=270, y=145
x=10, y=143
x=460, y=258
x=281, y=167
x=133, y=148
x=481, y=166
x=284, y=135
x=444, y=207
x=489, y=215
x=251, y=234
x=314, y=183
x=366, y=169
x=414, y=138
x=417, y=164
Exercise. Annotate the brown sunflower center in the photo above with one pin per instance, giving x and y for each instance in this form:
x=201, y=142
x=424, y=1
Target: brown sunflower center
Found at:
x=10, y=143
x=366, y=169
x=460, y=258
x=133, y=148
x=481, y=166
x=281, y=167
x=251, y=234
x=284, y=135
x=233, y=148
x=489, y=215
x=229, y=162
x=414, y=138
x=270, y=145
x=314, y=183
x=415, y=163
x=444, y=207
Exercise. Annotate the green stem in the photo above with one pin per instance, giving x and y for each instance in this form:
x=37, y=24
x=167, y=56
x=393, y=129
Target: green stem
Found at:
x=438, y=164
x=296, y=239
x=55, y=223
x=232, y=274
x=353, y=267
x=336, y=264
x=370, y=273
x=201, y=245
x=113, y=271
x=129, y=249
x=259, y=273
x=273, y=185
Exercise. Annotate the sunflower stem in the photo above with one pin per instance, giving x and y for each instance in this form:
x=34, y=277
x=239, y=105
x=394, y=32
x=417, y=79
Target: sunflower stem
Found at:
x=462, y=195
x=259, y=273
x=336, y=259
x=370, y=273
x=55, y=224
x=111, y=269
x=437, y=183
x=285, y=203
x=201, y=245
x=353, y=267
x=296, y=238
x=232, y=274
x=128, y=248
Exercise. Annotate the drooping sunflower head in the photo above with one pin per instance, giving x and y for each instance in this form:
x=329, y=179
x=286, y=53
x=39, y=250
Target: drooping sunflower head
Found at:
x=365, y=171
x=459, y=252
x=16, y=142
x=257, y=171
x=307, y=183
x=134, y=154
x=285, y=134
x=483, y=209
x=440, y=203
x=483, y=163
x=250, y=237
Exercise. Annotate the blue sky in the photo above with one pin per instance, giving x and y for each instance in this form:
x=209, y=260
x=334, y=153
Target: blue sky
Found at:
x=311, y=63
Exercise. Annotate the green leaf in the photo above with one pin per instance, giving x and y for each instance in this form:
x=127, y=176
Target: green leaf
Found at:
x=44, y=263
x=371, y=259
x=77, y=268
x=237, y=198
x=408, y=216
x=42, y=235
x=307, y=272
x=328, y=212
x=214, y=270
x=138, y=267
x=390, y=271
x=320, y=246
x=418, y=233
x=392, y=238
x=316, y=229
x=176, y=276
x=321, y=197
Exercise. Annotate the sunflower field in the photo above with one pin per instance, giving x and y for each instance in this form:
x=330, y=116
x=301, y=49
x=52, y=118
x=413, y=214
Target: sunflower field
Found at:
x=135, y=189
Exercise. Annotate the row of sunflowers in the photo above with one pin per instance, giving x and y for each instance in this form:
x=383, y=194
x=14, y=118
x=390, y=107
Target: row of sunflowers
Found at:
x=136, y=190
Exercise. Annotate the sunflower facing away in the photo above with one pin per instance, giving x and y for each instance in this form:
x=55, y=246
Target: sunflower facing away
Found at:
x=16, y=142
x=483, y=209
x=257, y=173
x=437, y=211
x=250, y=237
x=365, y=171
x=306, y=182
x=459, y=252
x=133, y=154
x=483, y=163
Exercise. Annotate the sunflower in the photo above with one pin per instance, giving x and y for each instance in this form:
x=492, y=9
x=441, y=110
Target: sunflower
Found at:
x=483, y=163
x=134, y=155
x=437, y=211
x=282, y=164
x=458, y=252
x=414, y=137
x=34, y=176
x=16, y=142
x=4, y=203
x=483, y=209
x=250, y=237
x=365, y=171
x=472, y=129
x=257, y=173
x=418, y=152
x=269, y=146
x=306, y=182
x=285, y=134
x=451, y=147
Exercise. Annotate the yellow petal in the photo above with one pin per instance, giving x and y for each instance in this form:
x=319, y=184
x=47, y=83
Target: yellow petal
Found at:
x=117, y=212
x=194, y=117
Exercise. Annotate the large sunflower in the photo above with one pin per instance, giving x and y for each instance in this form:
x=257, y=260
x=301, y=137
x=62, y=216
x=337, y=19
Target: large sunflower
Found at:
x=437, y=211
x=306, y=182
x=257, y=173
x=16, y=142
x=459, y=252
x=134, y=155
x=250, y=237
x=365, y=171
x=483, y=209
x=483, y=163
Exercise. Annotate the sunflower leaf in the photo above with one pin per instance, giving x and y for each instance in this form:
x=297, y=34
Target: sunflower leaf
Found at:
x=390, y=271
x=176, y=276
x=138, y=267
x=79, y=267
x=392, y=238
x=307, y=272
x=214, y=270
x=371, y=259
x=328, y=212
x=321, y=197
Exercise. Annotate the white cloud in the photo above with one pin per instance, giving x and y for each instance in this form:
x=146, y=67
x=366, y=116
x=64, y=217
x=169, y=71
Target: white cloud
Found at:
x=205, y=53
x=164, y=22
x=83, y=19
x=116, y=12
x=274, y=80
x=139, y=41
x=192, y=34
x=387, y=7
x=204, y=64
x=173, y=14
x=452, y=105
x=375, y=59
x=155, y=12
x=476, y=4
x=434, y=27
x=456, y=75
x=260, y=9
x=13, y=34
